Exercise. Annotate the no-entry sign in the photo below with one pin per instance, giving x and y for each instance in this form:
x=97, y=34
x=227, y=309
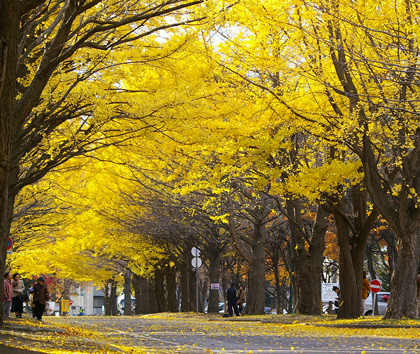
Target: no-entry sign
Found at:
x=375, y=286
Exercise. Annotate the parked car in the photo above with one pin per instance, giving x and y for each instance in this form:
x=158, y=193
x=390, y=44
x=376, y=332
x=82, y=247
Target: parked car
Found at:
x=120, y=304
x=382, y=304
x=270, y=310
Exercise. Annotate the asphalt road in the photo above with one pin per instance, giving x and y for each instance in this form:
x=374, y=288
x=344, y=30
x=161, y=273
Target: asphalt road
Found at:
x=9, y=350
x=186, y=336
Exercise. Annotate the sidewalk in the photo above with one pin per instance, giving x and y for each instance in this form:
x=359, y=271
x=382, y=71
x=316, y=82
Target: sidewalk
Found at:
x=10, y=350
x=17, y=333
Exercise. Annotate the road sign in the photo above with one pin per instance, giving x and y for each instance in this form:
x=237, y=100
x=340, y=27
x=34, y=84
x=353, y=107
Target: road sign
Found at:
x=214, y=286
x=10, y=244
x=196, y=262
x=375, y=286
x=195, y=252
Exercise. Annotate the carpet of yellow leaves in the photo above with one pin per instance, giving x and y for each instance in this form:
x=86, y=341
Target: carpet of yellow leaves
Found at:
x=118, y=334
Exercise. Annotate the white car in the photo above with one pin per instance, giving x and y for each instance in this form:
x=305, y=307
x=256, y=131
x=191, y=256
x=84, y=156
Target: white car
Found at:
x=382, y=304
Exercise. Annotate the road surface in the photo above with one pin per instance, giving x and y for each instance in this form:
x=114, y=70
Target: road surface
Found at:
x=186, y=335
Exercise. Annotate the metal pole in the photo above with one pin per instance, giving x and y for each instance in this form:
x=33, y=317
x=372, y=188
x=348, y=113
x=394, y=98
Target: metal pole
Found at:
x=196, y=287
x=373, y=304
x=291, y=280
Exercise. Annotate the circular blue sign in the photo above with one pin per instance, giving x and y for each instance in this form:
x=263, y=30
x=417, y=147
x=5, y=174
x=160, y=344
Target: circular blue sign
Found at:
x=9, y=244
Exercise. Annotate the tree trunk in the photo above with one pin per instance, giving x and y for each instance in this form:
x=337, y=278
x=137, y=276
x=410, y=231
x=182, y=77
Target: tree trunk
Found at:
x=256, y=288
x=113, y=299
x=127, y=292
x=404, y=278
x=308, y=271
x=184, y=288
x=256, y=258
x=351, y=267
x=170, y=277
x=350, y=293
x=9, y=32
x=403, y=216
x=152, y=297
x=256, y=285
x=110, y=292
x=275, y=262
x=141, y=294
x=159, y=291
x=213, y=302
x=192, y=289
x=352, y=236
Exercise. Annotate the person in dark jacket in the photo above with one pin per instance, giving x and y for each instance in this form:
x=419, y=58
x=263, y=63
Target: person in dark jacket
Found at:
x=337, y=299
x=231, y=300
x=41, y=296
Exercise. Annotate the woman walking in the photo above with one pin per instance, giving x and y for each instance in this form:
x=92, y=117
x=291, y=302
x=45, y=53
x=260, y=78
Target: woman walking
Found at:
x=41, y=296
x=7, y=294
x=18, y=288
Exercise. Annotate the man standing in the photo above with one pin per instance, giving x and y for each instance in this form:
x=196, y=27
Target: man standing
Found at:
x=41, y=296
x=231, y=300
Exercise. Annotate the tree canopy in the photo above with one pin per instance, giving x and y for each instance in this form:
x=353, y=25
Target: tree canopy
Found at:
x=135, y=126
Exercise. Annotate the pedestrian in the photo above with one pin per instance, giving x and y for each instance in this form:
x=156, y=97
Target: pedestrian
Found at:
x=240, y=299
x=18, y=289
x=31, y=300
x=337, y=299
x=231, y=300
x=385, y=298
x=365, y=293
x=41, y=296
x=7, y=294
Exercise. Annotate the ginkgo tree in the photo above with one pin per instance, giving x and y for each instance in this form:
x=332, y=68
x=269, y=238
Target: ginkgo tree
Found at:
x=369, y=80
x=55, y=96
x=85, y=243
x=348, y=77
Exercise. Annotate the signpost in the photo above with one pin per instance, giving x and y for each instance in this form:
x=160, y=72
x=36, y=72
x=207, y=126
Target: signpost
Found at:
x=196, y=263
x=9, y=246
x=214, y=286
x=375, y=287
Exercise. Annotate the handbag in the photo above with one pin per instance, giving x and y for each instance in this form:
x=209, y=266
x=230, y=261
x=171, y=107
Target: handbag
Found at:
x=24, y=297
x=31, y=303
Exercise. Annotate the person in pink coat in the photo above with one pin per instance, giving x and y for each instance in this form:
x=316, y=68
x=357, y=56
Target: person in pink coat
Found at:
x=7, y=294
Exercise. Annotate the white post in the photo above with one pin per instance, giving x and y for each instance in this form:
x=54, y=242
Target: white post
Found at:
x=373, y=303
x=196, y=288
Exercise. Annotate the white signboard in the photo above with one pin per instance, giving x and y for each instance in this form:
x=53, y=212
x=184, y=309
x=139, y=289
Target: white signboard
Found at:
x=327, y=292
x=196, y=262
x=195, y=252
x=214, y=286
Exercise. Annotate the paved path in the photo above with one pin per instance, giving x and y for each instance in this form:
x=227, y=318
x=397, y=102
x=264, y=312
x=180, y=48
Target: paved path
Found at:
x=190, y=337
x=9, y=350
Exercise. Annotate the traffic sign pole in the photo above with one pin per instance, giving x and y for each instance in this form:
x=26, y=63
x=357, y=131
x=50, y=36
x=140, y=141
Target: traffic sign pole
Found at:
x=375, y=286
x=373, y=304
x=196, y=263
